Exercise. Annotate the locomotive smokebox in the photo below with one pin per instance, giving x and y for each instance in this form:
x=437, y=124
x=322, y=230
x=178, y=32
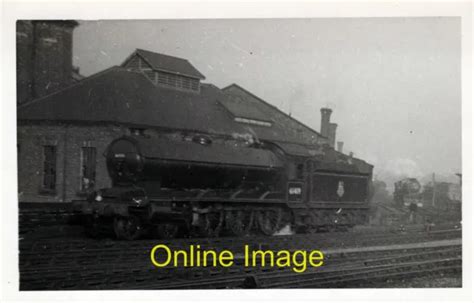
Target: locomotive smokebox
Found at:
x=124, y=160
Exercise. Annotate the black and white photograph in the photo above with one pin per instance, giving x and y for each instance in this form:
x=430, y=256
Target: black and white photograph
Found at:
x=239, y=153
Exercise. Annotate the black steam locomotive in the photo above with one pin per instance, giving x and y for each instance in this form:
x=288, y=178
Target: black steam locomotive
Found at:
x=164, y=187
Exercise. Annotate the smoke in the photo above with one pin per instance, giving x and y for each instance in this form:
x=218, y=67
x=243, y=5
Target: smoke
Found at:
x=403, y=168
x=397, y=169
x=400, y=168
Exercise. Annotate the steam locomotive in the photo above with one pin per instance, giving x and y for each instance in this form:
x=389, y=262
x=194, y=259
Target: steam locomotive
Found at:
x=164, y=187
x=407, y=191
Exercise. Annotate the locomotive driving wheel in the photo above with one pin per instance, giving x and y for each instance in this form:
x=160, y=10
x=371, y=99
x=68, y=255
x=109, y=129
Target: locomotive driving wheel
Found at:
x=268, y=221
x=239, y=222
x=210, y=224
x=127, y=228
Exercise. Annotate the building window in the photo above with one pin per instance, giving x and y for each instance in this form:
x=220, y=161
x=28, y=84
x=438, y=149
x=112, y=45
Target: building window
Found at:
x=88, y=168
x=182, y=82
x=49, y=171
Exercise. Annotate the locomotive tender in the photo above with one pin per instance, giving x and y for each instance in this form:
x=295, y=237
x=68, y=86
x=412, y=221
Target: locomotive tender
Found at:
x=165, y=187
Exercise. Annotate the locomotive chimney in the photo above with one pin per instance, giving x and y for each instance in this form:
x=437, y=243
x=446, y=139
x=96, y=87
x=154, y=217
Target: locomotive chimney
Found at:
x=340, y=145
x=325, y=118
x=332, y=134
x=351, y=156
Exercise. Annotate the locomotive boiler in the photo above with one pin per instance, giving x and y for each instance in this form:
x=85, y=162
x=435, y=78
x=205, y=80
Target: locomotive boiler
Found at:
x=164, y=187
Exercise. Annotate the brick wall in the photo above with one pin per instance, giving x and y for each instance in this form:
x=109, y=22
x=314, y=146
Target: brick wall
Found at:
x=24, y=55
x=44, y=57
x=69, y=140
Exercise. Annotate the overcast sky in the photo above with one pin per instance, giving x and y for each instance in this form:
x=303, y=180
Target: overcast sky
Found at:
x=394, y=84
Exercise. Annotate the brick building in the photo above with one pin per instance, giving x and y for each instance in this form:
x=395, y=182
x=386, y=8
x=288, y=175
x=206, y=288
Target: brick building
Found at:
x=62, y=136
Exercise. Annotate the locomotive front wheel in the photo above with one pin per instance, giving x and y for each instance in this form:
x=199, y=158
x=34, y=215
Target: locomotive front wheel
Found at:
x=239, y=222
x=210, y=224
x=166, y=230
x=127, y=228
x=269, y=221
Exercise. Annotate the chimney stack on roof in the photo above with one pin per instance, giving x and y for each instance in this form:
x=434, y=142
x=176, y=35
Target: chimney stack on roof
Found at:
x=328, y=129
x=325, y=118
x=332, y=134
x=340, y=146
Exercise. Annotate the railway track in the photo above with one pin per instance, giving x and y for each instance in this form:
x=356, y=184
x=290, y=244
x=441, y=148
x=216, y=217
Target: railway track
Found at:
x=357, y=265
x=56, y=255
x=395, y=263
x=56, y=273
x=34, y=215
x=332, y=238
x=89, y=264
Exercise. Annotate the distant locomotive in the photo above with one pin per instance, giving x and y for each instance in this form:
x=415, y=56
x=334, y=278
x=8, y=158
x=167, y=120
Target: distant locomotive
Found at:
x=407, y=192
x=163, y=187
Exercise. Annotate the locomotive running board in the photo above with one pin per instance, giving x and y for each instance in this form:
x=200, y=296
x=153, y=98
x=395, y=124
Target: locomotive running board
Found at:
x=328, y=205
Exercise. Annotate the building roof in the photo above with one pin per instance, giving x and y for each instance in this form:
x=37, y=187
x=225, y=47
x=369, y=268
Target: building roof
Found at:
x=243, y=103
x=334, y=160
x=118, y=95
x=299, y=139
x=121, y=96
x=300, y=150
x=169, y=64
x=239, y=107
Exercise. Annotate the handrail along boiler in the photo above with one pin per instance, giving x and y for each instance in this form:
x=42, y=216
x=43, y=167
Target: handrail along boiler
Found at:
x=163, y=187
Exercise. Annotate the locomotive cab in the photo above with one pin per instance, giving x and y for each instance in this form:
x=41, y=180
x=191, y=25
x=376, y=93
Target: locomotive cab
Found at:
x=328, y=191
x=296, y=183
